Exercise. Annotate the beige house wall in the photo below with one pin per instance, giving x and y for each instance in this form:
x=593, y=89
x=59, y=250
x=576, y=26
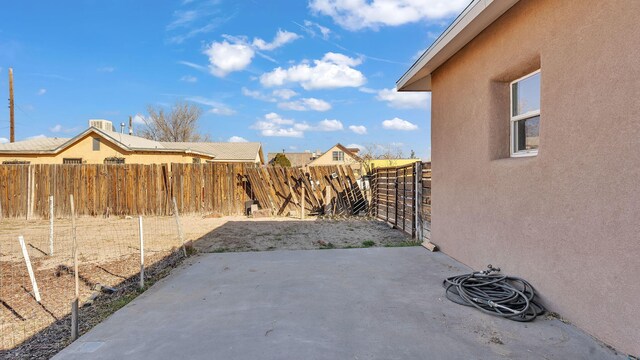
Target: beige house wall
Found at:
x=327, y=159
x=568, y=219
x=84, y=149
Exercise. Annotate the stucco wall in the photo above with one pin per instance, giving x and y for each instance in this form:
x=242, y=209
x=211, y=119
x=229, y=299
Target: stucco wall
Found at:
x=568, y=219
x=84, y=149
x=327, y=159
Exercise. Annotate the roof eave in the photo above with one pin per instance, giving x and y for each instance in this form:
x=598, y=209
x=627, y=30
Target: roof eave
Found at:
x=471, y=22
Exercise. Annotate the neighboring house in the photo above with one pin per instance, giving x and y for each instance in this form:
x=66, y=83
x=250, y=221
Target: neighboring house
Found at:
x=340, y=155
x=103, y=146
x=296, y=159
x=535, y=143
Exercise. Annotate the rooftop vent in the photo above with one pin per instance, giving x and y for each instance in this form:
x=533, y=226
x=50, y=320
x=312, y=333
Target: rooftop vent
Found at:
x=104, y=125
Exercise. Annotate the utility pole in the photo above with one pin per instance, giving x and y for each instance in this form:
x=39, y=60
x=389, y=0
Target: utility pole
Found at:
x=12, y=125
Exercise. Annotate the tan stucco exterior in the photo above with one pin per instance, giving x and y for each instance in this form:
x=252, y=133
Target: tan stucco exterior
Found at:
x=83, y=149
x=567, y=219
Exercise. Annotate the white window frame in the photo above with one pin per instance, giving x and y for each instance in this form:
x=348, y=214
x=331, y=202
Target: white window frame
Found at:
x=513, y=119
x=340, y=156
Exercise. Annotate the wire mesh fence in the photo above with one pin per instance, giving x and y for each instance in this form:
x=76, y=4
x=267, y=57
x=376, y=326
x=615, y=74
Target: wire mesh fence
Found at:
x=37, y=278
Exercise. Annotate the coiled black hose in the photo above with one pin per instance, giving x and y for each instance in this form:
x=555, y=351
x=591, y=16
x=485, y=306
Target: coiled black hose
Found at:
x=496, y=294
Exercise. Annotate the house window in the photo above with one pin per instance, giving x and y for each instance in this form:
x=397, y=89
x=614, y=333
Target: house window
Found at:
x=72, y=161
x=338, y=156
x=96, y=144
x=196, y=160
x=113, y=161
x=525, y=115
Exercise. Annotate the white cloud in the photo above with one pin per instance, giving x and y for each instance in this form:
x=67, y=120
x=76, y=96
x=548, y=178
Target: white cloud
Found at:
x=237, y=139
x=329, y=125
x=2, y=139
x=367, y=90
x=276, y=119
x=40, y=136
x=285, y=94
x=282, y=37
x=273, y=124
x=360, y=14
x=216, y=107
x=139, y=120
x=358, y=129
x=306, y=104
x=225, y=57
x=256, y=94
x=182, y=18
x=41, y=92
x=56, y=128
x=309, y=26
x=235, y=53
x=341, y=59
x=189, y=79
x=332, y=71
x=106, y=69
x=193, y=65
x=399, y=124
x=404, y=100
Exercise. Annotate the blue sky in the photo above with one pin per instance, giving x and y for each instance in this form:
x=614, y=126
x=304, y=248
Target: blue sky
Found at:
x=294, y=75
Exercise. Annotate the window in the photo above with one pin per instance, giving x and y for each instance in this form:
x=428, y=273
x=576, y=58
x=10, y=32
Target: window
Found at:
x=113, y=161
x=96, y=144
x=72, y=161
x=525, y=115
x=196, y=160
x=338, y=156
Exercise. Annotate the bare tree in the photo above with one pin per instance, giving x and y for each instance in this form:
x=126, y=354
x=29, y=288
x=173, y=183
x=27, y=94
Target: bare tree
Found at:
x=390, y=152
x=179, y=125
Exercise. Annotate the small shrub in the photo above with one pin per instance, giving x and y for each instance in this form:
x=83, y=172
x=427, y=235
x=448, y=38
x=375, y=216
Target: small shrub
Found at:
x=368, y=243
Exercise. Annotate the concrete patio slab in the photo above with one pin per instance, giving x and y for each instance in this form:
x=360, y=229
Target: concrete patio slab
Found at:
x=376, y=303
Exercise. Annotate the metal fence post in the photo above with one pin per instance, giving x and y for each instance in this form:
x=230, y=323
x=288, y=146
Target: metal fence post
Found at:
x=180, y=235
x=141, y=232
x=74, y=304
x=51, y=225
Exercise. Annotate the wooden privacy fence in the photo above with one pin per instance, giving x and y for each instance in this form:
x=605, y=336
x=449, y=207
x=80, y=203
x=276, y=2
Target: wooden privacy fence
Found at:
x=401, y=196
x=122, y=189
x=220, y=188
x=319, y=189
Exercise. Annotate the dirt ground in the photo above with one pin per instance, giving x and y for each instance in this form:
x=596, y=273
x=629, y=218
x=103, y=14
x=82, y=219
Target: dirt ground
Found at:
x=242, y=234
x=109, y=254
